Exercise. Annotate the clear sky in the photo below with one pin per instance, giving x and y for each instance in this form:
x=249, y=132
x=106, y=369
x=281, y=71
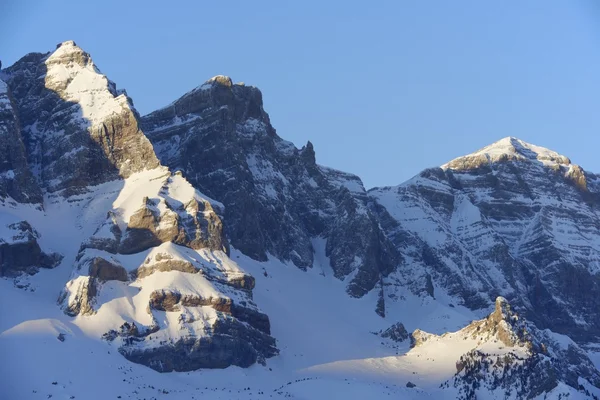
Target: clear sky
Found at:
x=383, y=89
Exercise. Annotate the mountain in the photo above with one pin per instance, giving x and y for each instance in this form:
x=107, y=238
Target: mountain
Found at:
x=512, y=219
x=126, y=223
x=279, y=201
x=77, y=128
x=514, y=357
x=196, y=241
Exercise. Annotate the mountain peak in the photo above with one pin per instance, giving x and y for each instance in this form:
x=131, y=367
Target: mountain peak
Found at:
x=221, y=80
x=508, y=149
x=67, y=52
x=67, y=44
x=73, y=75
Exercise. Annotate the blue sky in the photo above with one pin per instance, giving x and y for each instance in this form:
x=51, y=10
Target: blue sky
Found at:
x=382, y=89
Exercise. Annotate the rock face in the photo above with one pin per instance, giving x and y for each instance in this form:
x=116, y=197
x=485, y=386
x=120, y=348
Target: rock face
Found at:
x=193, y=305
x=194, y=224
x=512, y=219
x=16, y=179
x=230, y=343
x=20, y=251
x=77, y=128
x=278, y=199
x=396, y=332
x=217, y=322
x=68, y=133
x=106, y=271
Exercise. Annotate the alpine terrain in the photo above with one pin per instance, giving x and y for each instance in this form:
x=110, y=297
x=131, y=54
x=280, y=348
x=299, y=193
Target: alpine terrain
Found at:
x=192, y=253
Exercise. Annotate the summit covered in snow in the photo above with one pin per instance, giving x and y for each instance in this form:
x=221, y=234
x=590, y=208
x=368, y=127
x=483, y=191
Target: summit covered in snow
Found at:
x=508, y=148
x=194, y=253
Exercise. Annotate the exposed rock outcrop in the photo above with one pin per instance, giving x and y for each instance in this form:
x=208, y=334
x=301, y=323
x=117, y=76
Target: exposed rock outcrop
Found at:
x=168, y=300
x=278, y=199
x=396, y=332
x=230, y=343
x=195, y=225
x=20, y=251
x=16, y=179
x=533, y=362
x=77, y=129
x=195, y=296
x=79, y=296
x=105, y=270
x=512, y=219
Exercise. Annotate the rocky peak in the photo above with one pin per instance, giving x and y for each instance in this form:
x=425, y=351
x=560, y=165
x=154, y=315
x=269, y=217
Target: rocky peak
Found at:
x=77, y=128
x=512, y=219
x=508, y=149
x=237, y=103
x=68, y=52
x=221, y=137
x=502, y=311
x=503, y=323
x=512, y=355
x=221, y=80
x=308, y=153
x=72, y=74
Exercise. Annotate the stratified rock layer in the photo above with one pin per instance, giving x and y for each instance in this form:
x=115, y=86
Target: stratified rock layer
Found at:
x=512, y=219
x=278, y=199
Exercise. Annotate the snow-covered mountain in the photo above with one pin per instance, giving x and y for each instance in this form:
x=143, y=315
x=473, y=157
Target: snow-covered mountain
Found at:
x=196, y=241
x=278, y=199
x=512, y=219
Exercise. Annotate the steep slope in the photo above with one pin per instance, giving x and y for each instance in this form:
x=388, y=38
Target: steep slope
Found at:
x=77, y=128
x=158, y=281
x=512, y=219
x=148, y=255
x=515, y=359
x=511, y=358
x=16, y=179
x=501, y=356
x=279, y=200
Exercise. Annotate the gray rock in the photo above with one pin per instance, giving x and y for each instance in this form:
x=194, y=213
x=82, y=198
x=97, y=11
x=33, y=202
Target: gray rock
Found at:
x=16, y=179
x=195, y=225
x=517, y=223
x=231, y=343
x=396, y=332
x=548, y=363
x=278, y=199
x=21, y=252
x=105, y=270
x=82, y=303
x=68, y=149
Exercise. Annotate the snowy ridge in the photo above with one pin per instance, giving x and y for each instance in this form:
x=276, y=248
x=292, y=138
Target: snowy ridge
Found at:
x=72, y=72
x=509, y=148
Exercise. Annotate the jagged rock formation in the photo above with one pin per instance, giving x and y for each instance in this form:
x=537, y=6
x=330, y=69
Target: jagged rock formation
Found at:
x=278, y=199
x=77, y=128
x=515, y=359
x=186, y=282
x=512, y=219
x=68, y=133
x=20, y=251
x=396, y=332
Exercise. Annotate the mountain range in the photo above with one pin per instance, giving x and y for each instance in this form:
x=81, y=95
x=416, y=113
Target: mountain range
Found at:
x=194, y=253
